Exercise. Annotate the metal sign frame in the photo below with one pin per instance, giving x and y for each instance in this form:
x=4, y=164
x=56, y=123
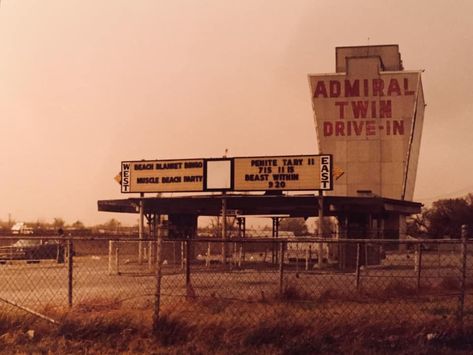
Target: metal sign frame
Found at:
x=325, y=171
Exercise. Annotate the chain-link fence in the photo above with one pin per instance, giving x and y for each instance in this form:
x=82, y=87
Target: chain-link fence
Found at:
x=242, y=279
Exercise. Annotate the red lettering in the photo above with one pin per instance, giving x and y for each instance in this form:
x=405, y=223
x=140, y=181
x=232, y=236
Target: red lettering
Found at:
x=341, y=105
x=339, y=128
x=352, y=89
x=398, y=127
x=406, y=88
x=348, y=126
x=373, y=109
x=320, y=89
x=334, y=88
x=360, y=109
x=394, y=88
x=378, y=87
x=370, y=128
x=385, y=109
x=328, y=129
x=358, y=126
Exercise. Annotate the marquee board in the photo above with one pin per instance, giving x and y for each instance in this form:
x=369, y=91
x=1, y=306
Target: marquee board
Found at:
x=163, y=176
x=289, y=173
x=284, y=173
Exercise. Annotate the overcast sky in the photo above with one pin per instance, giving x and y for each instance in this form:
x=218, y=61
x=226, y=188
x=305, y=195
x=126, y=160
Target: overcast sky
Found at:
x=85, y=84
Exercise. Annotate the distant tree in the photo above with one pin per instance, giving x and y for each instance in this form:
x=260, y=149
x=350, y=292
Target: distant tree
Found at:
x=112, y=225
x=4, y=224
x=444, y=218
x=78, y=225
x=58, y=223
x=41, y=227
x=215, y=226
x=38, y=225
x=7, y=224
x=267, y=228
x=295, y=225
x=447, y=216
x=417, y=225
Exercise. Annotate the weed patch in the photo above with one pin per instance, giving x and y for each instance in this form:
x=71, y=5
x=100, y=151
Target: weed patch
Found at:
x=292, y=293
x=214, y=305
x=97, y=305
x=193, y=328
x=171, y=331
x=274, y=333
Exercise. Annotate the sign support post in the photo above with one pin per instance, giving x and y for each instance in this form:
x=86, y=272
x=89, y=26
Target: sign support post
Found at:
x=140, y=230
x=320, y=229
x=224, y=228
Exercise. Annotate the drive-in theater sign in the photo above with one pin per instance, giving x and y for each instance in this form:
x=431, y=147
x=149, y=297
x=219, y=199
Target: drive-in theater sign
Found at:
x=369, y=115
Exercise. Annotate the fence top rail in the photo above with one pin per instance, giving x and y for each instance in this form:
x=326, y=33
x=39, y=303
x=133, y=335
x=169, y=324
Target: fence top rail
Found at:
x=323, y=240
x=240, y=240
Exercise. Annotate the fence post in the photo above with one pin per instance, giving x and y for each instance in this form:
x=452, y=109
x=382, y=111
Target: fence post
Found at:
x=140, y=229
x=281, y=269
x=224, y=228
x=207, y=259
x=157, y=291
x=240, y=255
x=461, y=303
x=419, y=263
x=357, y=267
x=117, y=258
x=150, y=255
x=307, y=257
x=182, y=255
x=69, y=271
x=110, y=257
x=188, y=266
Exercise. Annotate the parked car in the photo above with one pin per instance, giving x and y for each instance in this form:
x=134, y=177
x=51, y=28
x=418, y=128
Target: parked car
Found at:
x=22, y=229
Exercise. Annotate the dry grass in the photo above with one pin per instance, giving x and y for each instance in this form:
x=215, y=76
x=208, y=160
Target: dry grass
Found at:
x=101, y=334
x=99, y=329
